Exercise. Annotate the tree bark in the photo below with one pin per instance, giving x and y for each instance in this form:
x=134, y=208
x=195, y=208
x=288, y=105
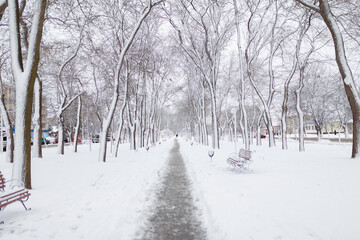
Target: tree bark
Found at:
x=215, y=127
x=121, y=124
x=3, y=6
x=37, y=134
x=24, y=81
x=78, y=124
x=300, y=114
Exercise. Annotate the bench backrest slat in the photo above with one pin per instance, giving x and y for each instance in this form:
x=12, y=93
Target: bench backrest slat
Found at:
x=243, y=153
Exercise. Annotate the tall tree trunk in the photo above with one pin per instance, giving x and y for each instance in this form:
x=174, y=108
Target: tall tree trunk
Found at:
x=132, y=137
x=258, y=131
x=318, y=133
x=346, y=130
x=300, y=116
x=78, y=124
x=203, y=116
x=132, y=129
x=242, y=80
x=60, y=147
x=121, y=124
x=24, y=81
x=346, y=73
x=37, y=136
x=284, y=104
x=251, y=135
x=215, y=127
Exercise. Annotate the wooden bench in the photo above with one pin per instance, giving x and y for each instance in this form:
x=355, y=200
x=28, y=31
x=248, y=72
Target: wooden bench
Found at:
x=8, y=197
x=241, y=160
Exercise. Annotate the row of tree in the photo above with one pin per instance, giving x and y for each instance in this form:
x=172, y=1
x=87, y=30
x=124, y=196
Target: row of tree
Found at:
x=283, y=63
x=130, y=65
x=104, y=55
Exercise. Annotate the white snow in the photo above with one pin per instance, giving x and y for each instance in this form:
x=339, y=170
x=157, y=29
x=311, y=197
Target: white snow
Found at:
x=74, y=196
x=286, y=195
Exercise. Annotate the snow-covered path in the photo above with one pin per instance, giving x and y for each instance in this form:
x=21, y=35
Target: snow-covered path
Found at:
x=174, y=215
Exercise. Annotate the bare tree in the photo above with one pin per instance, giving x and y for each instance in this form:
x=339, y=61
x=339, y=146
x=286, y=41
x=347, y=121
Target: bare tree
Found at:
x=203, y=29
x=196, y=94
x=64, y=104
x=24, y=80
x=242, y=80
x=324, y=9
x=303, y=27
x=318, y=93
x=257, y=40
x=37, y=118
x=116, y=79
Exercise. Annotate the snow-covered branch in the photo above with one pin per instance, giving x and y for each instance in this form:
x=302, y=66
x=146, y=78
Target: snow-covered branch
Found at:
x=129, y=42
x=116, y=80
x=70, y=102
x=67, y=62
x=309, y=5
x=15, y=44
x=3, y=5
x=35, y=37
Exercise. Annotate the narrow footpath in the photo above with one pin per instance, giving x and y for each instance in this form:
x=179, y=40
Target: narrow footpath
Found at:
x=174, y=216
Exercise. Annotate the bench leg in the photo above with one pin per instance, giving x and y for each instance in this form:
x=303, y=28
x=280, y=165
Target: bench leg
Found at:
x=25, y=206
x=2, y=222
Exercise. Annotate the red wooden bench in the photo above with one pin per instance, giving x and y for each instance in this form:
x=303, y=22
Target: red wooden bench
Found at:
x=8, y=197
x=241, y=160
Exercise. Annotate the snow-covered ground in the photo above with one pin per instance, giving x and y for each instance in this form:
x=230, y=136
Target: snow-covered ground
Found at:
x=76, y=197
x=286, y=195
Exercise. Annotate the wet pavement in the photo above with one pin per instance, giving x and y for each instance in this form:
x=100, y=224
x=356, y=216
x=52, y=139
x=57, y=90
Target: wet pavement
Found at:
x=174, y=216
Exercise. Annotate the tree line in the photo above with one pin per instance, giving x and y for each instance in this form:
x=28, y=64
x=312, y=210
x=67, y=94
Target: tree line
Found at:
x=205, y=67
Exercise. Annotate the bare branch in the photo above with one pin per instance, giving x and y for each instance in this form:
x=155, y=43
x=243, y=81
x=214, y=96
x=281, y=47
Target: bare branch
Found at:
x=3, y=5
x=309, y=5
x=70, y=102
x=68, y=61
